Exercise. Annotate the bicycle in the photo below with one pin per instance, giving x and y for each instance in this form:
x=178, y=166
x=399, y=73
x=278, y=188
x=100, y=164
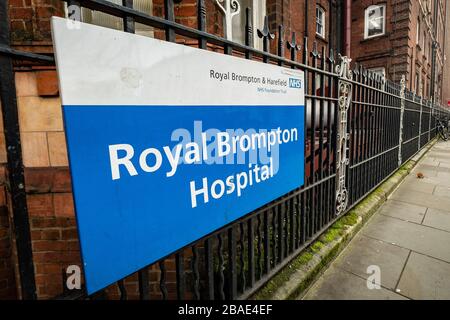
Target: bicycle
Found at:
x=442, y=130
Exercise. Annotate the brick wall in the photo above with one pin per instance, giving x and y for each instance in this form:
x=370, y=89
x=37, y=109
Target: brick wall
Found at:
x=397, y=50
x=30, y=19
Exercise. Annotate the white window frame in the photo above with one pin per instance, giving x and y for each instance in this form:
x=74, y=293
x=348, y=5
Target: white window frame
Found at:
x=366, y=21
x=423, y=43
x=417, y=81
x=105, y=20
x=322, y=23
x=418, y=32
x=258, y=10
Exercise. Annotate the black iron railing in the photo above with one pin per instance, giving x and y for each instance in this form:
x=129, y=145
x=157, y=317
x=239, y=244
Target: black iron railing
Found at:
x=354, y=141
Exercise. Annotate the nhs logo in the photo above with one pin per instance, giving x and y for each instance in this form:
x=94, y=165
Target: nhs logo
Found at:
x=295, y=83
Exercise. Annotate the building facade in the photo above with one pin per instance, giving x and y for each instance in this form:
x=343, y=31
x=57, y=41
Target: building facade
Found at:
x=446, y=81
x=403, y=37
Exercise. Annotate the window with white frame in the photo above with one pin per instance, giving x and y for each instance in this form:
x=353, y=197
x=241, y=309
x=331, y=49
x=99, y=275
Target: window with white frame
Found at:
x=417, y=83
x=422, y=45
x=258, y=9
x=320, y=21
x=109, y=21
x=375, y=21
x=418, y=32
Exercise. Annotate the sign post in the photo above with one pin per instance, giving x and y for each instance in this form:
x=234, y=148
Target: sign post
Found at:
x=168, y=143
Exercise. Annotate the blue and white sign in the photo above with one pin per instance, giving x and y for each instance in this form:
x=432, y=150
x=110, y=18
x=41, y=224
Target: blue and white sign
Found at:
x=168, y=143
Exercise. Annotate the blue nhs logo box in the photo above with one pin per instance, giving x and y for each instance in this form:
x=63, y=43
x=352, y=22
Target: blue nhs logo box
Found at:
x=295, y=83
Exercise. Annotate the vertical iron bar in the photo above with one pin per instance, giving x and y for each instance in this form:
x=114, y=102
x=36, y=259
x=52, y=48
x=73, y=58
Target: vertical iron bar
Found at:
x=162, y=280
x=201, y=14
x=179, y=262
x=122, y=290
x=221, y=268
x=209, y=267
x=266, y=242
x=292, y=220
x=144, y=293
x=251, y=252
x=280, y=44
x=242, y=278
x=280, y=233
x=128, y=22
x=16, y=178
x=195, y=273
x=313, y=212
x=170, y=16
x=259, y=244
x=232, y=263
x=248, y=32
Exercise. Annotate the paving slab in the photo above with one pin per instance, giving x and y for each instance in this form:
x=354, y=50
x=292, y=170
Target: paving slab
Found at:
x=427, y=179
x=438, y=219
x=443, y=175
x=425, y=278
x=418, y=185
x=403, y=210
x=338, y=284
x=422, y=199
x=364, y=252
x=442, y=191
x=444, y=165
x=419, y=238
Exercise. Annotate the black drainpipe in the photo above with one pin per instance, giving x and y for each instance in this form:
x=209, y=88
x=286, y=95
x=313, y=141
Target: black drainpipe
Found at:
x=434, y=51
x=15, y=165
x=306, y=18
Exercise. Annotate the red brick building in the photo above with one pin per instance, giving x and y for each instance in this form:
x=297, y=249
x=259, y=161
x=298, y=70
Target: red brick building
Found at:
x=446, y=81
x=404, y=37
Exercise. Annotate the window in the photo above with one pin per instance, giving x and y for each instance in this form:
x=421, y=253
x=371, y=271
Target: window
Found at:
x=375, y=23
x=417, y=83
x=258, y=9
x=320, y=22
x=106, y=20
x=418, y=32
x=423, y=42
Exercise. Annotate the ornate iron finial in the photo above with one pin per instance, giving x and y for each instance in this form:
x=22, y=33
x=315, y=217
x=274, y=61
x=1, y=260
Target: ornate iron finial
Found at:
x=343, y=69
x=229, y=8
x=315, y=52
x=356, y=70
x=331, y=58
x=265, y=34
x=281, y=40
x=292, y=45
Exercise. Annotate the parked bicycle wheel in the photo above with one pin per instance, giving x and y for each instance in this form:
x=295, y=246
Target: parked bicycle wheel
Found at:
x=443, y=133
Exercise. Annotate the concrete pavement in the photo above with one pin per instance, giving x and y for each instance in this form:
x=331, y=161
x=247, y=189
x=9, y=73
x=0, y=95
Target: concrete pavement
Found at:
x=405, y=248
